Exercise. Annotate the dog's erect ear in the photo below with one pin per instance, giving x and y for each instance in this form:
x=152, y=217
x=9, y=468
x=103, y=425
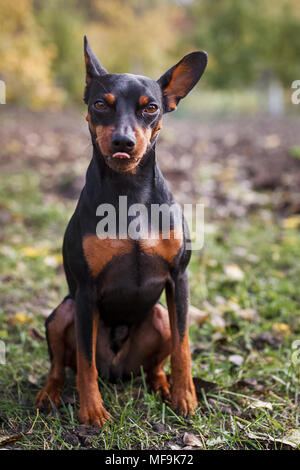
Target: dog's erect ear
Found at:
x=178, y=81
x=93, y=67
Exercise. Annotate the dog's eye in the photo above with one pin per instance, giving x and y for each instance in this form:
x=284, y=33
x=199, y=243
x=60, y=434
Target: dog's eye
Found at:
x=100, y=104
x=151, y=108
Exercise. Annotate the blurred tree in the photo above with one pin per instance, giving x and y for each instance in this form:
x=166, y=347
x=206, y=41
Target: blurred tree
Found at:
x=247, y=38
x=135, y=35
x=41, y=42
x=280, y=47
x=25, y=62
x=64, y=25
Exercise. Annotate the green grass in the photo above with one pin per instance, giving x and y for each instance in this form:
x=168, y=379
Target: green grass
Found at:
x=295, y=151
x=32, y=283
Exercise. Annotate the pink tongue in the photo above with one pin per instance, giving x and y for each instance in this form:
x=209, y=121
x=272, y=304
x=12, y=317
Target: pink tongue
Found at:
x=121, y=155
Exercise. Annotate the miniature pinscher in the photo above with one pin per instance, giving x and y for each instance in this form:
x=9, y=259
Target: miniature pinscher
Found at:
x=112, y=322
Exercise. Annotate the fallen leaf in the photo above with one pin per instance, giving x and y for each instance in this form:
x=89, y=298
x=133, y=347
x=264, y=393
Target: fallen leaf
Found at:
x=240, y=251
x=261, y=404
x=190, y=439
x=220, y=300
x=232, y=305
x=214, y=442
x=233, y=272
x=216, y=316
x=174, y=447
x=218, y=322
x=291, y=222
x=292, y=438
x=8, y=439
x=21, y=318
x=33, y=379
x=51, y=261
x=8, y=251
x=258, y=437
x=272, y=141
x=218, y=337
x=252, y=258
x=197, y=316
x=31, y=252
x=281, y=330
x=248, y=314
x=229, y=306
x=236, y=359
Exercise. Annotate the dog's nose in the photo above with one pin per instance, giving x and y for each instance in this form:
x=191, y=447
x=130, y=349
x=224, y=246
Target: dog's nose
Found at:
x=122, y=142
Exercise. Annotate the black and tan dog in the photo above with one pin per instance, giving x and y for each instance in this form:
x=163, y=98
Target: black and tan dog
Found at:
x=112, y=323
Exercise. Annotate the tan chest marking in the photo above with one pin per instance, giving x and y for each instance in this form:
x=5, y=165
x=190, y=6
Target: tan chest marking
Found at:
x=166, y=248
x=100, y=252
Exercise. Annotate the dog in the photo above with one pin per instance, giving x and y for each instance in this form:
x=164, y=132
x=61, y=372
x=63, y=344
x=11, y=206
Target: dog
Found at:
x=112, y=322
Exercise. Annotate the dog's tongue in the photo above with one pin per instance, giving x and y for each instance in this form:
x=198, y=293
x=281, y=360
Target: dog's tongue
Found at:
x=121, y=155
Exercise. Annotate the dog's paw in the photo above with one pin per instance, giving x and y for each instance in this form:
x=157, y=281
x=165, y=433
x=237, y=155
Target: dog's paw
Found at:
x=183, y=399
x=164, y=392
x=159, y=384
x=49, y=396
x=93, y=414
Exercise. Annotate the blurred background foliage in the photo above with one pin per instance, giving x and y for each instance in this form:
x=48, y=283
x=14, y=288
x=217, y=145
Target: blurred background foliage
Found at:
x=249, y=43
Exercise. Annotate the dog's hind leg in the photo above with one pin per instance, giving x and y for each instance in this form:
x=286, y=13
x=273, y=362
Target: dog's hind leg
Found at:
x=148, y=346
x=154, y=365
x=57, y=326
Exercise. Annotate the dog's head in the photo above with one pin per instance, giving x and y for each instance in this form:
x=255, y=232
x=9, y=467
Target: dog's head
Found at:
x=125, y=110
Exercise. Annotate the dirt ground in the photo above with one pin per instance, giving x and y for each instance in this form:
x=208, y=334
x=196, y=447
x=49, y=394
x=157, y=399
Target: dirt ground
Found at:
x=254, y=152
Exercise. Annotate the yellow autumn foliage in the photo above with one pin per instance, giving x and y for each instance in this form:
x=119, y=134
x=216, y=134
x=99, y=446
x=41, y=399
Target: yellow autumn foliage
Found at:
x=135, y=37
x=25, y=63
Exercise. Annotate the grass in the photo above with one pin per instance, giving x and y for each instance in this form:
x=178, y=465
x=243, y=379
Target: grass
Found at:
x=254, y=403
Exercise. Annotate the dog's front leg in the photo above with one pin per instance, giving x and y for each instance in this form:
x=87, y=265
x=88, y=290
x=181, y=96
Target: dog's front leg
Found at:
x=91, y=410
x=183, y=393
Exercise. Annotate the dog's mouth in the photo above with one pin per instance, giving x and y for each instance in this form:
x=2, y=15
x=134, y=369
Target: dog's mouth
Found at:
x=123, y=156
x=122, y=161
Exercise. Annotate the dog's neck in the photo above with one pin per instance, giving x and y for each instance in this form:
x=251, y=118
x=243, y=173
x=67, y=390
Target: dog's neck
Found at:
x=136, y=185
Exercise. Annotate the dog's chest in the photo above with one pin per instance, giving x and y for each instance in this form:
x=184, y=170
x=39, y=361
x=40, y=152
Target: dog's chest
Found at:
x=100, y=253
x=129, y=275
